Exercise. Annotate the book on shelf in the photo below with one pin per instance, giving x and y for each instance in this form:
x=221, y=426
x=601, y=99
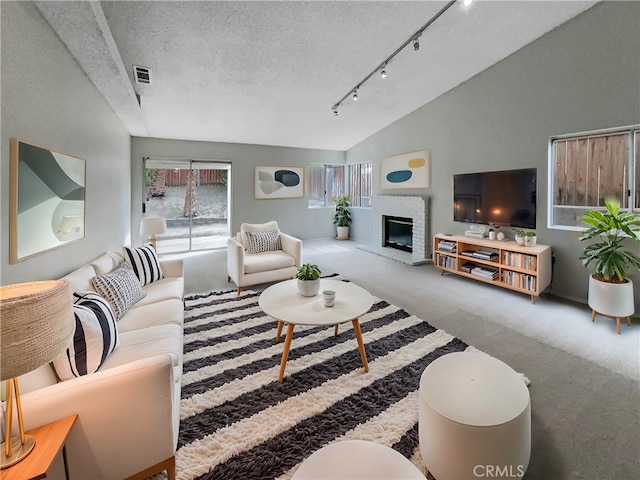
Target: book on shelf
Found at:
x=484, y=272
x=485, y=254
x=467, y=267
x=447, y=246
x=467, y=253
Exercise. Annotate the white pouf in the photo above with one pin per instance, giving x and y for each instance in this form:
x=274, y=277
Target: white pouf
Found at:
x=357, y=459
x=474, y=418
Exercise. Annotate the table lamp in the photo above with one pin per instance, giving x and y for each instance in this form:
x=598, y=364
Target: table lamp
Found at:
x=151, y=226
x=36, y=324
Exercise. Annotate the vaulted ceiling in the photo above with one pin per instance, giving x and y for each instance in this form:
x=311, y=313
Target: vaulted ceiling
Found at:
x=268, y=72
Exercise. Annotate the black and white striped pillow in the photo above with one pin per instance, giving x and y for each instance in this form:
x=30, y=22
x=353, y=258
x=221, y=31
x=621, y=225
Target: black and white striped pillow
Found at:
x=258, y=242
x=144, y=262
x=96, y=336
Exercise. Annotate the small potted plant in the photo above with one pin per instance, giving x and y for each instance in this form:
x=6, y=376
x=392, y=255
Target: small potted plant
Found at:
x=520, y=234
x=530, y=239
x=342, y=217
x=610, y=291
x=308, y=276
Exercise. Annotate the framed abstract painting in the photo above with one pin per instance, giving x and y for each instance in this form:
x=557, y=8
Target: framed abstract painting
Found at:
x=47, y=200
x=278, y=182
x=407, y=170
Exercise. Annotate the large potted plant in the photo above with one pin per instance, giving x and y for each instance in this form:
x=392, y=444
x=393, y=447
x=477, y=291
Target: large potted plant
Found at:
x=308, y=276
x=610, y=290
x=342, y=217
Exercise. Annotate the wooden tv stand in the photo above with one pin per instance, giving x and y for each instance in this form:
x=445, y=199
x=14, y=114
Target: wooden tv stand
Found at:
x=504, y=263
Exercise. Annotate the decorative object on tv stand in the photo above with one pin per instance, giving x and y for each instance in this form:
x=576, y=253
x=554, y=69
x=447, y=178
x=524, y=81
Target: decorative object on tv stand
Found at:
x=152, y=226
x=530, y=239
x=500, y=236
x=610, y=290
x=342, y=217
x=46, y=201
x=37, y=325
x=492, y=234
x=308, y=279
x=475, y=231
x=519, y=238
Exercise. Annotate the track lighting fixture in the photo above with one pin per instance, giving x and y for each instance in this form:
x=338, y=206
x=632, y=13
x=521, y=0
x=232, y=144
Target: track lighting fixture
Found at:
x=382, y=67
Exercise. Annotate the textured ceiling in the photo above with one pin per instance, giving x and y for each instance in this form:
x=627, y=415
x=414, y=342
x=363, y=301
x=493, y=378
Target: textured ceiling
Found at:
x=268, y=72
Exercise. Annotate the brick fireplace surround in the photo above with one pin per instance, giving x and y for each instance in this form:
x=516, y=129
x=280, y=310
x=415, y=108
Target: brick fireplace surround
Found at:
x=416, y=208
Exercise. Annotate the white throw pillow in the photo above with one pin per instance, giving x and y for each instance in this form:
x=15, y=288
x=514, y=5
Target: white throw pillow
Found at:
x=95, y=337
x=144, y=263
x=121, y=288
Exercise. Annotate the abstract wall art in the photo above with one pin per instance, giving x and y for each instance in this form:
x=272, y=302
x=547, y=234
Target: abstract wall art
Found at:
x=47, y=200
x=279, y=182
x=407, y=170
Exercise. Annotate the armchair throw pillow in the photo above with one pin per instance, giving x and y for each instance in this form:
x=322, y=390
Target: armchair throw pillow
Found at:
x=258, y=242
x=144, y=262
x=95, y=337
x=121, y=288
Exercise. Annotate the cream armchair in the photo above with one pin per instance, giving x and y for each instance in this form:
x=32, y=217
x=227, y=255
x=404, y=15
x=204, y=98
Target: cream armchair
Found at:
x=261, y=253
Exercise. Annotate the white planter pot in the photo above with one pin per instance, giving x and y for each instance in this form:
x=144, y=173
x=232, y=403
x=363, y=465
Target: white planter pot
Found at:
x=612, y=299
x=343, y=233
x=308, y=288
x=519, y=240
x=530, y=241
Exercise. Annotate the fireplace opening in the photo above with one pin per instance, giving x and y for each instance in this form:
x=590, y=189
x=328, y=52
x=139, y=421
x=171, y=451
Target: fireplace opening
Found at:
x=398, y=233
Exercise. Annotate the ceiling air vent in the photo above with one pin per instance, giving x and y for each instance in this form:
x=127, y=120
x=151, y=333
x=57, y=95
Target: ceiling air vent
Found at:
x=142, y=75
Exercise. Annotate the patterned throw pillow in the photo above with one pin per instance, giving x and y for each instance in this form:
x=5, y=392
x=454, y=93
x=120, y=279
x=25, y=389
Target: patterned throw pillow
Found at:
x=121, y=288
x=144, y=262
x=96, y=336
x=258, y=242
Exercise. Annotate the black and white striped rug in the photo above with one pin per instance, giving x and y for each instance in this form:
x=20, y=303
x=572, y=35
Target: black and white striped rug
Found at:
x=238, y=422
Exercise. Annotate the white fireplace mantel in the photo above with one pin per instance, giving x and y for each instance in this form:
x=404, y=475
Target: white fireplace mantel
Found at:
x=416, y=208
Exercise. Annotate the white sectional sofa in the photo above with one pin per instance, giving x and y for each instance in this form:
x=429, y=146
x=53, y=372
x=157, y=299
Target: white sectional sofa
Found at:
x=129, y=410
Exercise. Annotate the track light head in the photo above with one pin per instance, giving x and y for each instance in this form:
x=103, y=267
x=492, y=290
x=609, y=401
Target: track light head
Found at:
x=416, y=44
x=355, y=94
x=383, y=71
x=335, y=110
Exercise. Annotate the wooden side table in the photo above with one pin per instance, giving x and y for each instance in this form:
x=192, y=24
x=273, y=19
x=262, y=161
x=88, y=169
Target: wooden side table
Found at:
x=50, y=439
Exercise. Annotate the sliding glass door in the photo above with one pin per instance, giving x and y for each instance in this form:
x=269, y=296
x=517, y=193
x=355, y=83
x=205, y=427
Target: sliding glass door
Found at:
x=193, y=197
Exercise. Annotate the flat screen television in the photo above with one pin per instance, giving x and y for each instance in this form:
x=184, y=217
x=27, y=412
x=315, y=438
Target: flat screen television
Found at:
x=503, y=198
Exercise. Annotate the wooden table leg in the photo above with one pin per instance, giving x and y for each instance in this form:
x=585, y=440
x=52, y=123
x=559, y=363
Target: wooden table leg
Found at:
x=279, y=332
x=593, y=316
x=363, y=354
x=285, y=352
x=335, y=330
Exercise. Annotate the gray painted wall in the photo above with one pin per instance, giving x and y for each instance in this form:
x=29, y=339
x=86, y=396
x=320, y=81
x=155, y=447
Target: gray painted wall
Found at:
x=293, y=215
x=47, y=100
x=582, y=76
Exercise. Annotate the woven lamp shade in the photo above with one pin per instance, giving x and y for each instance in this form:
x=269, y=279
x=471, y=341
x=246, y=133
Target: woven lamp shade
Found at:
x=36, y=324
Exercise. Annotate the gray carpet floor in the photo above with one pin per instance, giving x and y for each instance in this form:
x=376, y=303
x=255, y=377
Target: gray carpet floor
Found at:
x=585, y=378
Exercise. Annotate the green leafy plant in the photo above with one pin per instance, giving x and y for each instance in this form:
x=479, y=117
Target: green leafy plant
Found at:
x=612, y=228
x=308, y=271
x=342, y=215
x=529, y=234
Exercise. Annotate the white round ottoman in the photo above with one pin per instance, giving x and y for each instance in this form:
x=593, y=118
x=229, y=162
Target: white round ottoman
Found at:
x=474, y=418
x=355, y=460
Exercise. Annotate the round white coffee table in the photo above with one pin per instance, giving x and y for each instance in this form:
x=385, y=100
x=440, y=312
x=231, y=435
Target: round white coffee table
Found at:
x=283, y=302
x=355, y=460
